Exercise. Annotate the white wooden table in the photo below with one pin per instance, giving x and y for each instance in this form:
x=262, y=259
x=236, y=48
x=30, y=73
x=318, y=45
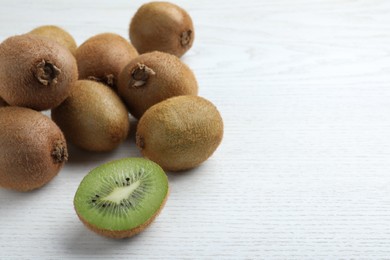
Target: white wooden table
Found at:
x=304, y=168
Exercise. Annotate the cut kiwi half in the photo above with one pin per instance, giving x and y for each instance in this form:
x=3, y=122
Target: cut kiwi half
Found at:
x=121, y=198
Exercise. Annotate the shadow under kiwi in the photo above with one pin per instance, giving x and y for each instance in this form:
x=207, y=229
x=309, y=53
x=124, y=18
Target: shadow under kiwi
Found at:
x=178, y=175
x=81, y=156
x=82, y=241
x=133, y=129
x=15, y=200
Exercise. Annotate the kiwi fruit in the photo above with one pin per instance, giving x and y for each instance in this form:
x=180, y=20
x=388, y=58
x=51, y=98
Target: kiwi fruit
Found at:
x=93, y=117
x=180, y=133
x=32, y=149
x=162, y=26
x=35, y=72
x=103, y=56
x=57, y=34
x=153, y=77
x=121, y=198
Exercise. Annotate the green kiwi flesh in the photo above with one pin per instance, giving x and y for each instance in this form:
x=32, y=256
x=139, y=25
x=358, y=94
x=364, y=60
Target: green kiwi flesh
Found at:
x=180, y=133
x=57, y=34
x=35, y=72
x=162, y=26
x=153, y=77
x=93, y=117
x=121, y=198
x=32, y=149
x=103, y=56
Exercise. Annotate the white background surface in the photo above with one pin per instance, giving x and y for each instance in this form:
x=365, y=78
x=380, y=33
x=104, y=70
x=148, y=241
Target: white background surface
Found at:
x=303, y=171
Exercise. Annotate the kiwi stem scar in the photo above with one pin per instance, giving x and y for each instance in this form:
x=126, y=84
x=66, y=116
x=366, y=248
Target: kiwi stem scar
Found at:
x=120, y=193
x=185, y=38
x=47, y=73
x=141, y=74
x=59, y=153
x=108, y=79
x=140, y=141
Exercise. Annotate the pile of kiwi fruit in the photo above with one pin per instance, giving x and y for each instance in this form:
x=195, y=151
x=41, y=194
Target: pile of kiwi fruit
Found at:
x=91, y=91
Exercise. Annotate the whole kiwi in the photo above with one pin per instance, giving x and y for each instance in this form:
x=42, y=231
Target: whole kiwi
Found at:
x=35, y=72
x=162, y=26
x=103, y=56
x=180, y=133
x=93, y=117
x=153, y=77
x=32, y=149
x=57, y=34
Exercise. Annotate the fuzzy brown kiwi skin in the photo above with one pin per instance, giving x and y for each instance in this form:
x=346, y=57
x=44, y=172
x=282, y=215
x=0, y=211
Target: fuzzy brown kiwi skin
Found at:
x=162, y=26
x=103, y=56
x=153, y=77
x=35, y=72
x=57, y=34
x=124, y=233
x=32, y=149
x=93, y=117
x=180, y=133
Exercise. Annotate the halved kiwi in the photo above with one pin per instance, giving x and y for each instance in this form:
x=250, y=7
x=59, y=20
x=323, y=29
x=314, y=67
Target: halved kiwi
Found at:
x=121, y=198
x=103, y=56
x=35, y=72
x=57, y=34
x=162, y=26
x=180, y=133
x=32, y=149
x=153, y=77
x=93, y=117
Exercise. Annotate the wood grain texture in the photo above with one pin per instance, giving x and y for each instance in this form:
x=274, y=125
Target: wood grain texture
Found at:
x=303, y=170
